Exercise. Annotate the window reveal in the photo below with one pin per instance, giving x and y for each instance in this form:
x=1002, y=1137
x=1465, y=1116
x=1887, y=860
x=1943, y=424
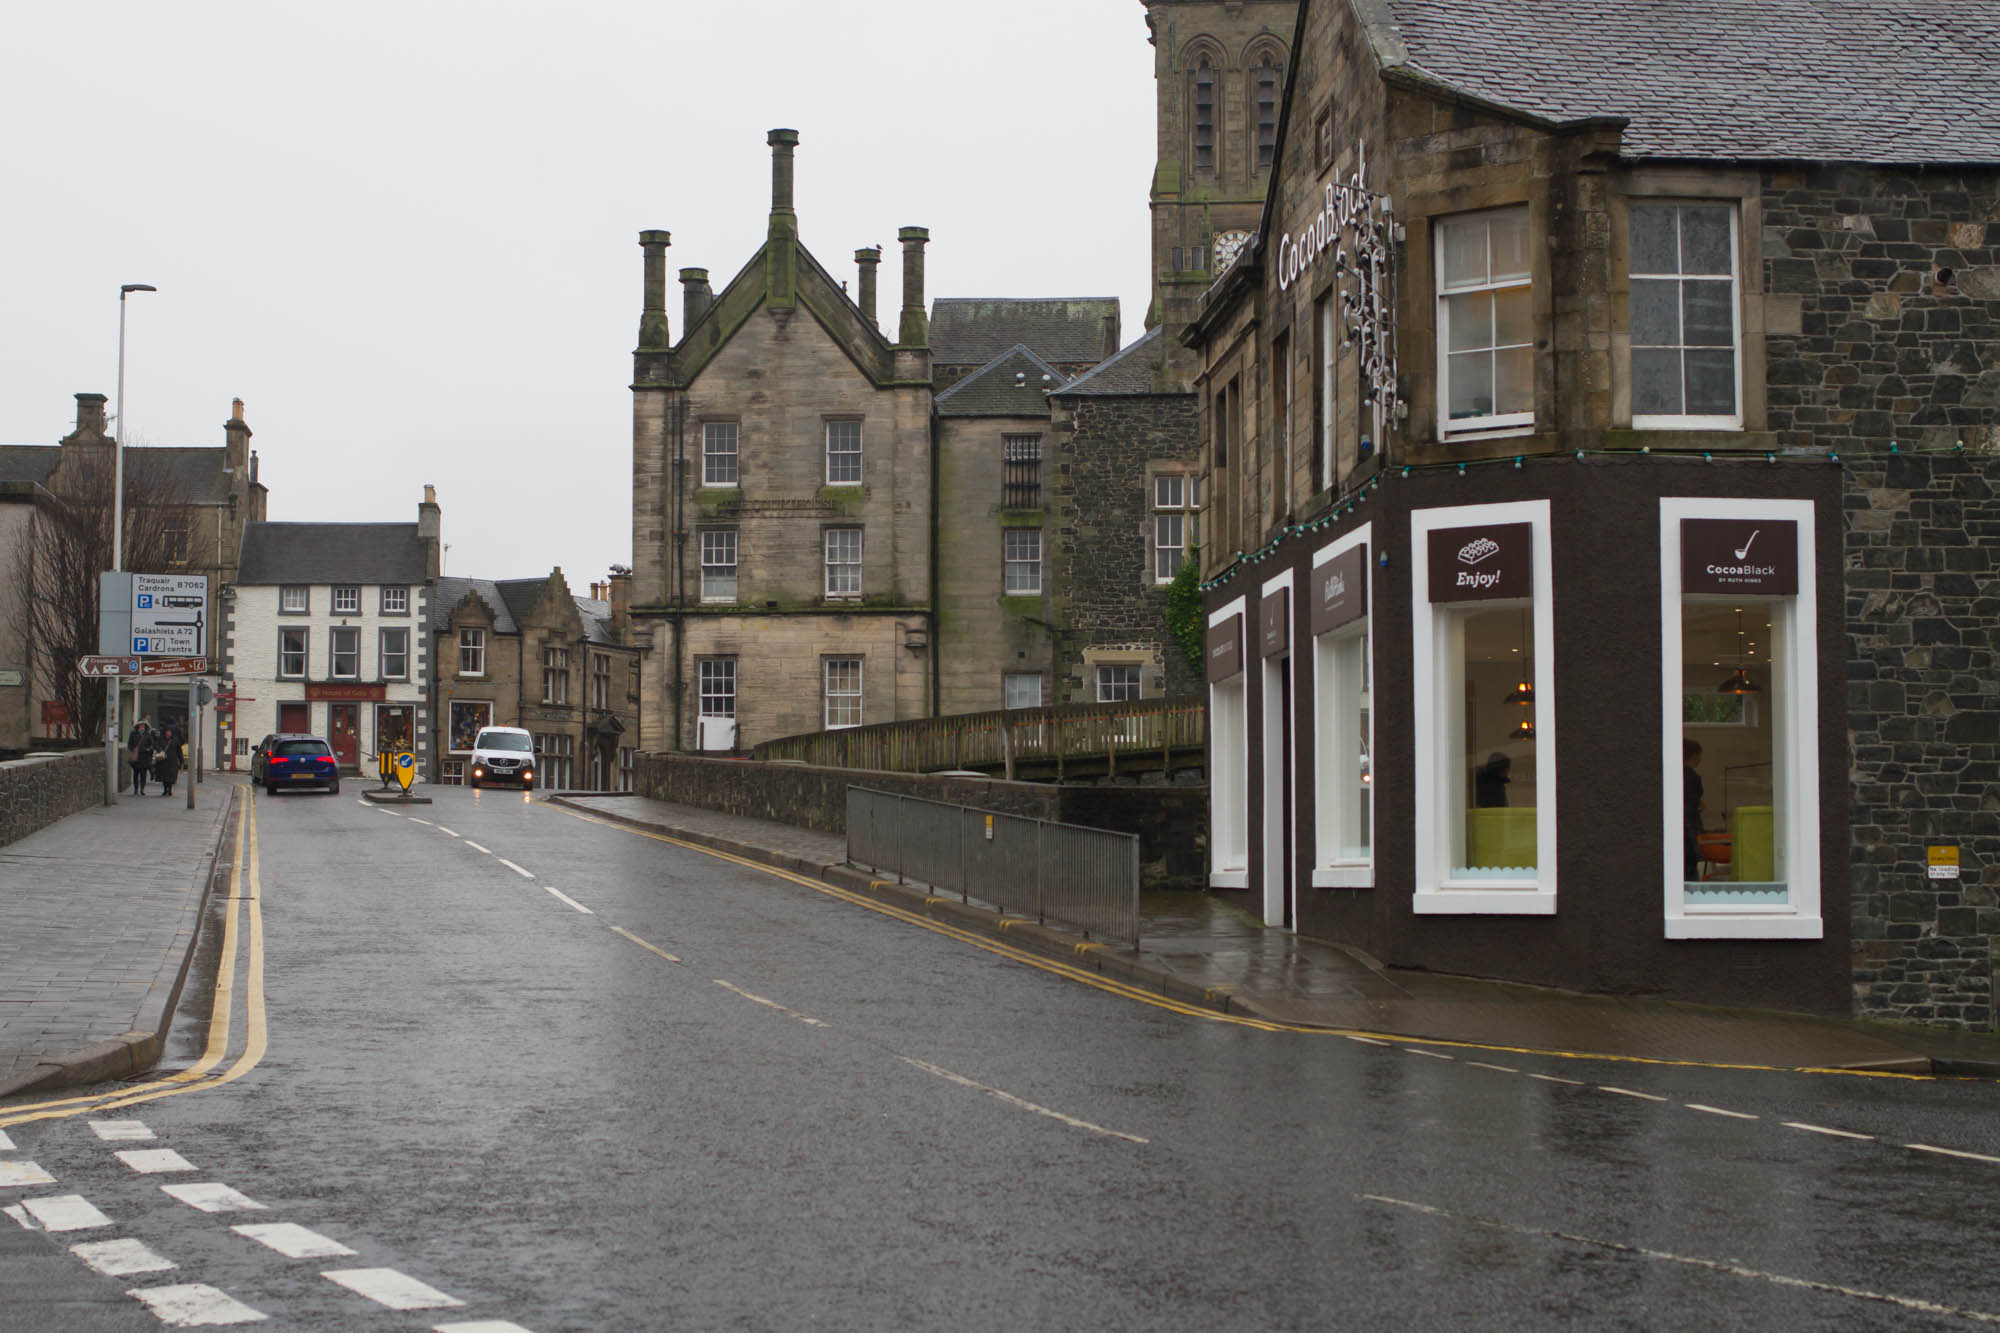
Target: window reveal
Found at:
x=1683, y=312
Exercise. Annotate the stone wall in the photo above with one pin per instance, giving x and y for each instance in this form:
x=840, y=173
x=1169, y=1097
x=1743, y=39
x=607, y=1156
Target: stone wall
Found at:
x=1171, y=822
x=41, y=789
x=1105, y=596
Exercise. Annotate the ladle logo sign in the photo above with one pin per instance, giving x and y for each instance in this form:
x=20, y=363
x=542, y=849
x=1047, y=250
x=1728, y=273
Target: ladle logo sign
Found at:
x=1740, y=555
x=1482, y=564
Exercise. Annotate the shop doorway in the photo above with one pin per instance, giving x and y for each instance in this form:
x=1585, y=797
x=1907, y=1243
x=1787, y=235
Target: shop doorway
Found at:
x=343, y=727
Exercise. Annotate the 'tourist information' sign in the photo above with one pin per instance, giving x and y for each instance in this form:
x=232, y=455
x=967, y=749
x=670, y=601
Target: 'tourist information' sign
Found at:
x=1484, y=564
x=1740, y=555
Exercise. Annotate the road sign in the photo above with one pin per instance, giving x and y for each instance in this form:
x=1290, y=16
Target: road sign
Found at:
x=170, y=615
x=173, y=666
x=405, y=769
x=108, y=666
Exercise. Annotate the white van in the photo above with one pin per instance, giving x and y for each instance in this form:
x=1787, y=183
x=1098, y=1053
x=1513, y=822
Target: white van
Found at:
x=504, y=755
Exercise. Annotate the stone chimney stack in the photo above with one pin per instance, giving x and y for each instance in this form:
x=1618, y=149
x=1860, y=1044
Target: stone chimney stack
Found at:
x=868, y=258
x=90, y=415
x=430, y=532
x=236, y=439
x=915, y=330
x=654, y=335
x=781, y=259
x=620, y=589
x=696, y=297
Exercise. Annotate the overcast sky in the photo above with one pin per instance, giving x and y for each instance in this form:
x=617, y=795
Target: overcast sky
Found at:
x=406, y=235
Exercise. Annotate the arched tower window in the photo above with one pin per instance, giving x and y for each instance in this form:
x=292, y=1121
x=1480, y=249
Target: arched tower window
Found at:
x=1204, y=116
x=1267, y=79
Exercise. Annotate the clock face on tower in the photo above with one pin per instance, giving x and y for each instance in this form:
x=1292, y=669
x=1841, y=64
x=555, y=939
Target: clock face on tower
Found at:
x=1228, y=245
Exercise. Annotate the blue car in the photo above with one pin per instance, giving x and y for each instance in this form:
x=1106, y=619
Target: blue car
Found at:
x=285, y=761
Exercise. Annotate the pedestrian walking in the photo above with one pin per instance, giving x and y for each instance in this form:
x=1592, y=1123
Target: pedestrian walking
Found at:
x=139, y=754
x=167, y=765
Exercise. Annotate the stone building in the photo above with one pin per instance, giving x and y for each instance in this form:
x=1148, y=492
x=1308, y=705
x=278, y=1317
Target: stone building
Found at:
x=528, y=653
x=323, y=632
x=191, y=504
x=1600, y=499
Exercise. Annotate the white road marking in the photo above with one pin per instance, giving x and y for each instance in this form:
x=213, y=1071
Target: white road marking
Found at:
x=1951, y=1152
x=385, y=1286
x=476, y=847
x=196, y=1304
x=1551, y=1078
x=23, y=1173
x=415, y=820
x=1012, y=1100
x=292, y=1240
x=442, y=829
x=62, y=1212
x=1711, y=1265
x=1370, y=1041
x=121, y=1131
x=1481, y=1064
x=571, y=901
x=116, y=1258
x=524, y=874
x=212, y=1197
x=1627, y=1092
x=20, y=1215
x=1435, y=1055
x=154, y=1161
x=1822, y=1129
x=643, y=945
x=1717, y=1110
x=479, y=1326
x=772, y=1004
x=6, y=1144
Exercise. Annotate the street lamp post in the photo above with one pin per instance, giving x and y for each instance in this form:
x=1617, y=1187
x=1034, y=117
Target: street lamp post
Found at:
x=117, y=543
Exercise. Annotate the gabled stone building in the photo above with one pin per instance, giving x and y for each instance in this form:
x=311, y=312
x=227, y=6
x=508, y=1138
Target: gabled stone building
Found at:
x=1601, y=438
x=528, y=653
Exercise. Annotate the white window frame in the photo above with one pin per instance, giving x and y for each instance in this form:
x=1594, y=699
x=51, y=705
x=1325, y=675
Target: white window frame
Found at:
x=849, y=698
x=716, y=459
x=305, y=645
x=1798, y=732
x=845, y=455
x=1512, y=423
x=1138, y=682
x=395, y=599
x=1683, y=421
x=472, y=651
x=719, y=588
x=555, y=674
x=336, y=636
x=1013, y=562
x=712, y=675
x=1229, y=760
x=1276, y=826
x=600, y=680
x=294, y=599
x=1437, y=695
x=1337, y=735
x=828, y=540
x=387, y=655
x=346, y=599
x=1010, y=679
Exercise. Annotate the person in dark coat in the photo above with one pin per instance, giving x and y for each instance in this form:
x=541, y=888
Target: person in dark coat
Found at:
x=1691, y=796
x=139, y=754
x=167, y=764
x=1489, y=782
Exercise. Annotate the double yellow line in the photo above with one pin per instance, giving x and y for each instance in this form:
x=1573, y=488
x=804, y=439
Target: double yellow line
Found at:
x=202, y=1074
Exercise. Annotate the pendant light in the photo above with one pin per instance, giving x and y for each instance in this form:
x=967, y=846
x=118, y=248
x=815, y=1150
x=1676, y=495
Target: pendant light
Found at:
x=1738, y=681
x=1524, y=689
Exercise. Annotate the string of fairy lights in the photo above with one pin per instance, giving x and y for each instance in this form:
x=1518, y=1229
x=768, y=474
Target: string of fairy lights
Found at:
x=1349, y=501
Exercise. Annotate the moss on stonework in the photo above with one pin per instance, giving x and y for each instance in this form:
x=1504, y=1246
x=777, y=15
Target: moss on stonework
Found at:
x=714, y=499
x=845, y=500
x=1022, y=518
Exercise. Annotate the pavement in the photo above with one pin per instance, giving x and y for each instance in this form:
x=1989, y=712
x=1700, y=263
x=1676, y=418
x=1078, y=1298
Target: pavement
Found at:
x=101, y=914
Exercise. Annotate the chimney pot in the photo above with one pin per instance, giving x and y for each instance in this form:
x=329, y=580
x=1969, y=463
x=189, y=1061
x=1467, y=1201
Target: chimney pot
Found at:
x=915, y=330
x=654, y=333
x=696, y=297
x=868, y=257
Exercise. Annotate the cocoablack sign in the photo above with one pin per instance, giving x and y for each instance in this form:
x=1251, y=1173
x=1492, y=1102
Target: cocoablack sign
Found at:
x=1276, y=623
x=1483, y=564
x=1740, y=555
x=1340, y=590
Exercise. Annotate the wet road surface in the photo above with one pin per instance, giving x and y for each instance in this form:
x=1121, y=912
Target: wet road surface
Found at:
x=566, y=1076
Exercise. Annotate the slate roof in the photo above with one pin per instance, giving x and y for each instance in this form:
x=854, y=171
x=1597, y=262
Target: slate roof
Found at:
x=520, y=595
x=990, y=391
x=596, y=614
x=28, y=462
x=451, y=591
x=972, y=331
x=193, y=471
x=1887, y=81
x=332, y=553
x=1132, y=371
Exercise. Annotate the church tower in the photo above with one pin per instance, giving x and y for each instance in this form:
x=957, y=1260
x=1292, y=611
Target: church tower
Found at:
x=1219, y=71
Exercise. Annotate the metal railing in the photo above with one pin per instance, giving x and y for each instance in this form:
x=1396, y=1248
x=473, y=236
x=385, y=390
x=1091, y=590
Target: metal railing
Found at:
x=1142, y=731
x=1085, y=878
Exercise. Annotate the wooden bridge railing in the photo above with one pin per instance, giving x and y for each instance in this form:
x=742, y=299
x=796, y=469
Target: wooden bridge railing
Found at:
x=1142, y=731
